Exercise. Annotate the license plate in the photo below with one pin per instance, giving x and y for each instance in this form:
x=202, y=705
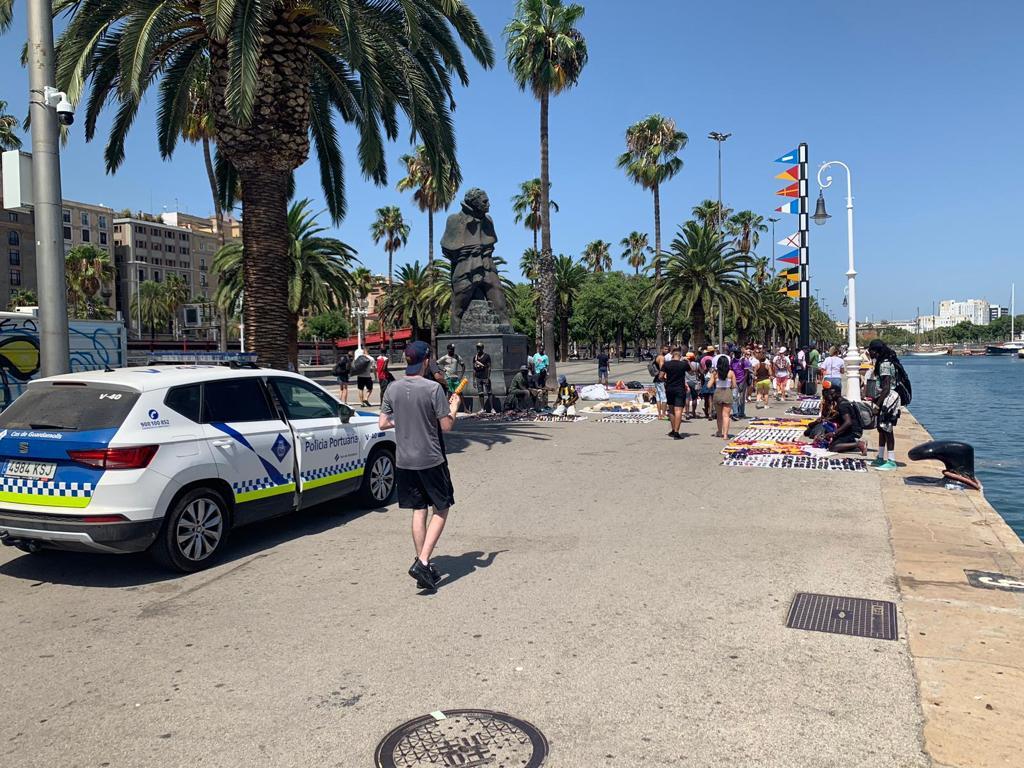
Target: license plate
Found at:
x=34, y=470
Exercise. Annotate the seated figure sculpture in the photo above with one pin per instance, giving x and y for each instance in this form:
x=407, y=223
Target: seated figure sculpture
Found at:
x=468, y=241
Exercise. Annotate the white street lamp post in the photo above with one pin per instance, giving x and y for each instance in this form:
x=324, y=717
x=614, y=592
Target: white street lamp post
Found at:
x=359, y=312
x=852, y=361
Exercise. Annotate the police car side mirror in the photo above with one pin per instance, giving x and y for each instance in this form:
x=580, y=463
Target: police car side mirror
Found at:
x=344, y=413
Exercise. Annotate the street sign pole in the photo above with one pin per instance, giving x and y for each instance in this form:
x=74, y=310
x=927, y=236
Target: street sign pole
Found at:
x=805, y=276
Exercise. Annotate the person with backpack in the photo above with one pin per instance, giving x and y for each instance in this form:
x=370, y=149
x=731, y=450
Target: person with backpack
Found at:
x=384, y=375
x=781, y=367
x=363, y=368
x=654, y=369
x=341, y=371
x=893, y=391
x=723, y=382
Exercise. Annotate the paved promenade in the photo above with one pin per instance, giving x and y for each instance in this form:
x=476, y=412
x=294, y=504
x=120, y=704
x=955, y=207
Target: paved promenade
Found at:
x=623, y=592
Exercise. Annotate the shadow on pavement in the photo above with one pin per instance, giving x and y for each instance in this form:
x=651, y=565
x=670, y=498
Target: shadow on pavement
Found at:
x=489, y=435
x=82, y=569
x=454, y=567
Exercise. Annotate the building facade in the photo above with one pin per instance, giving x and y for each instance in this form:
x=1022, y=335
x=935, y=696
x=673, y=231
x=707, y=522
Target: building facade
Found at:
x=995, y=312
x=970, y=310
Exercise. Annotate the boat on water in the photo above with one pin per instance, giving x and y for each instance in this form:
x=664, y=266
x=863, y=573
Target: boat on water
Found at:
x=1020, y=354
x=1009, y=348
x=922, y=353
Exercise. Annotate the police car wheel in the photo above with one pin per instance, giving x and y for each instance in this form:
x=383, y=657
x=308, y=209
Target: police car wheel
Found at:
x=194, y=531
x=379, y=478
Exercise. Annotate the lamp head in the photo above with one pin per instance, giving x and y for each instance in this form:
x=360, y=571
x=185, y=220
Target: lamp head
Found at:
x=820, y=214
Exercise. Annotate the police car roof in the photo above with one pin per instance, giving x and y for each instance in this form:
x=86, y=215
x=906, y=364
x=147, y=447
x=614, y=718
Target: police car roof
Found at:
x=147, y=378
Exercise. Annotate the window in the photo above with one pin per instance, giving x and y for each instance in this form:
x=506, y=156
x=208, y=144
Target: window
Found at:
x=66, y=216
x=74, y=409
x=117, y=227
x=169, y=235
x=303, y=401
x=103, y=238
x=85, y=235
x=185, y=400
x=13, y=238
x=12, y=216
x=235, y=400
x=156, y=247
x=15, y=258
x=85, y=218
x=15, y=276
x=67, y=234
x=156, y=275
x=142, y=275
x=154, y=231
x=202, y=263
x=183, y=250
x=140, y=243
x=202, y=281
x=103, y=222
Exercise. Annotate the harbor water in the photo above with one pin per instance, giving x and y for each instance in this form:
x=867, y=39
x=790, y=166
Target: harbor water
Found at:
x=977, y=400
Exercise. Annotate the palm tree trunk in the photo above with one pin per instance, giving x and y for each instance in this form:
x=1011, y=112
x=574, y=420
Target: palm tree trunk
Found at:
x=218, y=229
x=546, y=266
x=293, y=340
x=265, y=268
x=538, y=320
x=563, y=337
x=430, y=281
x=659, y=321
x=699, y=326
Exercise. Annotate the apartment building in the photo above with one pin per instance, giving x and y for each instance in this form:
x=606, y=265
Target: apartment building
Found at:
x=972, y=310
x=85, y=223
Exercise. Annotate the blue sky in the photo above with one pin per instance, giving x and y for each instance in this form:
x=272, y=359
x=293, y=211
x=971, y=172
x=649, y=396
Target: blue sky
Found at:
x=921, y=99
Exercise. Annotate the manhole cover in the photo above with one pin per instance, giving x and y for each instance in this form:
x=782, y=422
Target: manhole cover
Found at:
x=843, y=616
x=992, y=580
x=463, y=738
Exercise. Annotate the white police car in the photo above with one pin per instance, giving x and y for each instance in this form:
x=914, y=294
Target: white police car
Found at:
x=171, y=458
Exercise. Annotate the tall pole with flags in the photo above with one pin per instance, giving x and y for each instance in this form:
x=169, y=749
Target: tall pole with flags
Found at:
x=797, y=277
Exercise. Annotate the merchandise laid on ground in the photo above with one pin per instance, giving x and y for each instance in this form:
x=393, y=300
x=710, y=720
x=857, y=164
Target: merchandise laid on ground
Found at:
x=513, y=417
x=806, y=405
x=780, y=444
x=628, y=418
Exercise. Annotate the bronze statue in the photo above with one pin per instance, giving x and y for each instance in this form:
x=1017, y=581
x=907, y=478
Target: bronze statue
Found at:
x=468, y=241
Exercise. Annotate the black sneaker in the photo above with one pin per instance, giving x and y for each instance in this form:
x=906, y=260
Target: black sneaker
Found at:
x=434, y=572
x=424, y=578
x=676, y=436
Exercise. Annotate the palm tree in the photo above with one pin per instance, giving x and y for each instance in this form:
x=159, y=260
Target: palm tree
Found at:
x=707, y=213
x=87, y=269
x=280, y=75
x=410, y=300
x=319, y=278
x=22, y=297
x=701, y=270
x=545, y=53
x=635, y=250
x=570, y=276
x=597, y=256
x=432, y=193
x=761, y=274
x=528, y=264
x=8, y=138
x=176, y=294
x=150, y=305
x=746, y=227
x=651, y=159
x=526, y=206
x=392, y=229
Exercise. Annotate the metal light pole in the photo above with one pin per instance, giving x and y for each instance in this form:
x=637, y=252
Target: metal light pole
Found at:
x=773, y=220
x=820, y=217
x=359, y=311
x=720, y=138
x=47, y=201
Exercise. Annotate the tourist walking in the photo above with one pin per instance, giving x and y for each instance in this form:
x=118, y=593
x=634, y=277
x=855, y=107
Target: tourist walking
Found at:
x=342, y=369
x=384, y=375
x=813, y=363
x=363, y=368
x=453, y=368
x=482, y=378
x=540, y=367
x=890, y=378
x=781, y=368
x=723, y=382
x=654, y=369
x=832, y=368
x=706, y=388
x=693, y=385
x=417, y=408
x=673, y=371
x=762, y=380
x=603, y=366
x=740, y=366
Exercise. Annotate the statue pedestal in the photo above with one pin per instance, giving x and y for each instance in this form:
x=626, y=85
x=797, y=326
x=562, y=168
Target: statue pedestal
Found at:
x=508, y=354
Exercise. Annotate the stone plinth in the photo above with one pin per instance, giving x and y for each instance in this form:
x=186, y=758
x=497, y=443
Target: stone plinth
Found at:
x=508, y=354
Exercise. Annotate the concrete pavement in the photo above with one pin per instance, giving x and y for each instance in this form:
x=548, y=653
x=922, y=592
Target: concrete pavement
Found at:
x=621, y=591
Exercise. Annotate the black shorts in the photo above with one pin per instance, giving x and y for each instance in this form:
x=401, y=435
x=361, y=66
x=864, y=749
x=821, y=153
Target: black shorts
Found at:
x=364, y=382
x=343, y=379
x=422, y=488
x=676, y=398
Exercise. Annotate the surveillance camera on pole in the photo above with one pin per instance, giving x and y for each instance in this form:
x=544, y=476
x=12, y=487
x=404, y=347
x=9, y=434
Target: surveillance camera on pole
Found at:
x=58, y=100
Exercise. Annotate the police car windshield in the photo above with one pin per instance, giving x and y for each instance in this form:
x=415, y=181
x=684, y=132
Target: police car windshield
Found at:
x=63, y=408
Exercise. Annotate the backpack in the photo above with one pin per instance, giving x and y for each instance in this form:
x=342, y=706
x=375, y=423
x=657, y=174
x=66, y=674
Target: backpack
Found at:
x=337, y=369
x=653, y=369
x=865, y=414
x=902, y=384
x=361, y=365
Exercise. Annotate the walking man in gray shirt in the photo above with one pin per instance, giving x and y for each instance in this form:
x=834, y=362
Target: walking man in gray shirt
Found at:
x=417, y=408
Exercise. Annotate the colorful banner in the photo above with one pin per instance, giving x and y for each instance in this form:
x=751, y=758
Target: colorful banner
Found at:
x=793, y=190
x=793, y=257
x=790, y=174
x=793, y=207
x=793, y=241
x=792, y=274
x=793, y=156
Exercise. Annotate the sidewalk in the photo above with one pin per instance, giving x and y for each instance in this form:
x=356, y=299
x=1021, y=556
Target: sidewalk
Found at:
x=622, y=591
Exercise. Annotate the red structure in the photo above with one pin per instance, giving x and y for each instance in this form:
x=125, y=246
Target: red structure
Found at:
x=401, y=336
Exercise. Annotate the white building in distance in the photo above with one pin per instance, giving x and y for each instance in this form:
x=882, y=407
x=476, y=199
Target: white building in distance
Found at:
x=952, y=312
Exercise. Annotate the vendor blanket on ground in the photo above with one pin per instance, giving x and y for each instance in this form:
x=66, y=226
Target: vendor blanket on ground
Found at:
x=780, y=444
x=628, y=418
x=835, y=464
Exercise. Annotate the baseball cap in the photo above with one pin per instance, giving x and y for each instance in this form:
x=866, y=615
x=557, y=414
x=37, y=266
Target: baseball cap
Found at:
x=415, y=354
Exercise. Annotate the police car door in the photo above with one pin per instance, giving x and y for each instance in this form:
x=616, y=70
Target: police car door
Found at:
x=252, y=445
x=327, y=448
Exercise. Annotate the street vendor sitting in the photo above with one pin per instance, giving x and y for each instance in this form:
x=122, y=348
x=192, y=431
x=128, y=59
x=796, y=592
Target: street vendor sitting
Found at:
x=521, y=395
x=565, y=400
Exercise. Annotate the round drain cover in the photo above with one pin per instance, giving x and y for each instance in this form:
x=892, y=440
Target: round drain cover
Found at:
x=463, y=738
